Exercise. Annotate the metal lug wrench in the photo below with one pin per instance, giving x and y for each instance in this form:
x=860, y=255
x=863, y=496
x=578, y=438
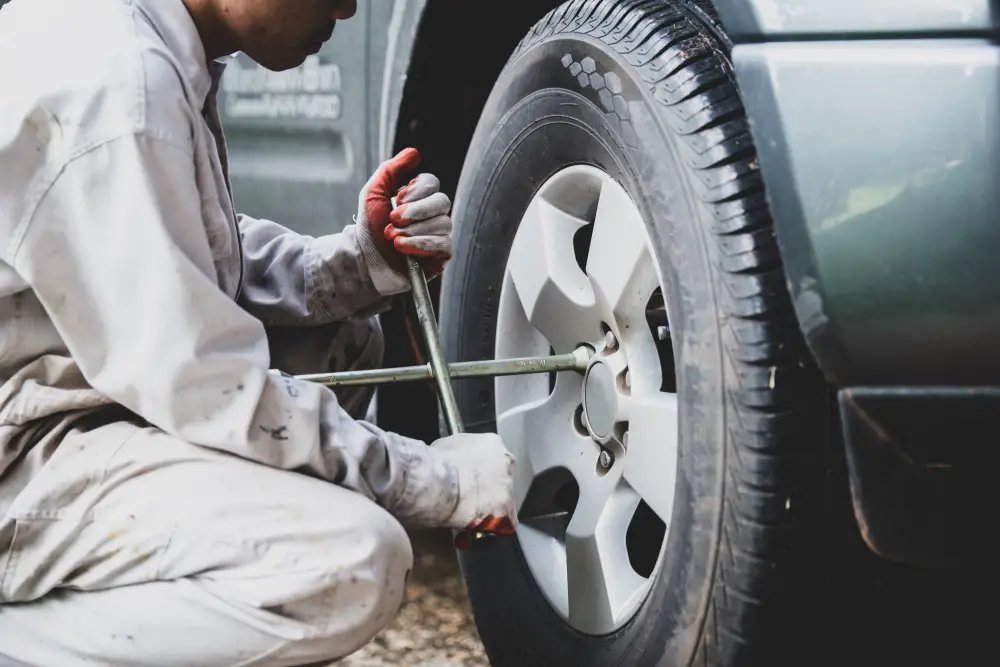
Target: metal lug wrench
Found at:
x=464, y=539
x=576, y=361
x=442, y=373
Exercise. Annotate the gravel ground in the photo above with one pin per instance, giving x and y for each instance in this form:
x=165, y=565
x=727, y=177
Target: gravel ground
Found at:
x=434, y=628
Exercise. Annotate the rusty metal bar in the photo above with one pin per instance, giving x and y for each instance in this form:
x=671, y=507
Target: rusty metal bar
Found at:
x=575, y=361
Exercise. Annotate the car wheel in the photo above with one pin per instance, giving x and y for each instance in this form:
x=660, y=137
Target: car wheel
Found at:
x=611, y=198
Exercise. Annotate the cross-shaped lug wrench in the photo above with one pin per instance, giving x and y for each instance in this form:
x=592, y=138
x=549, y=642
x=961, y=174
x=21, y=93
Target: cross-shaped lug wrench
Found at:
x=464, y=539
x=443, y=373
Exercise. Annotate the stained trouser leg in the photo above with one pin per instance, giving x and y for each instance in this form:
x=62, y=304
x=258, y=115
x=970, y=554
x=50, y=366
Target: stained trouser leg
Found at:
x=133, y=548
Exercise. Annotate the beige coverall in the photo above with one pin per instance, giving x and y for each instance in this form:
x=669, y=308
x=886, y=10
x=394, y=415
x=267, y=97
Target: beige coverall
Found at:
x=164, y=499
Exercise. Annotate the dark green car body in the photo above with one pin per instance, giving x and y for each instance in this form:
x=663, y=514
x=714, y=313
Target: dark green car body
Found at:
x=877, y=125
x=878, y=130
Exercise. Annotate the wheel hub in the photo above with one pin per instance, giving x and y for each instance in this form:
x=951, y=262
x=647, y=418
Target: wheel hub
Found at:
x=605, y=397
x=600, y=401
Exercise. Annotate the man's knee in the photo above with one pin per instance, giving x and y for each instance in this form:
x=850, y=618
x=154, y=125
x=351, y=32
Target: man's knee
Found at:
x=365, y=342
x=358, y=345
x=330, y=348
x=352, y=345
x=390, y=566
x=360, y=595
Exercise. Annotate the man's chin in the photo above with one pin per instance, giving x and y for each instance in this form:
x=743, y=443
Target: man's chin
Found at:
x=286, y=60
x=315, y=48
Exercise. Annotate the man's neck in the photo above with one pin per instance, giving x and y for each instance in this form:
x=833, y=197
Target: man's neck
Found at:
x=215, y=37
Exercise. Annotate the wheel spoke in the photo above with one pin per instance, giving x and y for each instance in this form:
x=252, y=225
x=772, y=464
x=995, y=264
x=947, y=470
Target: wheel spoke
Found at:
x=541, y=540
x=620, y=263
x=517, y=338
x=651, y=459
x=556, y=295
x=600, y=579
x=541, y=437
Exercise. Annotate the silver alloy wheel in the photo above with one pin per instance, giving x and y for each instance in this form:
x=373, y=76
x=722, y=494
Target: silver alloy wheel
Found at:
x=620, y=450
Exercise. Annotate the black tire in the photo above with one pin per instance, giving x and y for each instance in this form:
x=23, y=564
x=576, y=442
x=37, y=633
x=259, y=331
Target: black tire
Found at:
x=681, y=146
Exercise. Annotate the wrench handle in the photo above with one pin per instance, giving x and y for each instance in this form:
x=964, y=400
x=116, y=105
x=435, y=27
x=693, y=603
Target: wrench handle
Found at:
x=435, y=350
x=464, y=539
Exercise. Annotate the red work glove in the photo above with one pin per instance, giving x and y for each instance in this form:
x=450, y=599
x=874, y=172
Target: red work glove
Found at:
x=419, y=226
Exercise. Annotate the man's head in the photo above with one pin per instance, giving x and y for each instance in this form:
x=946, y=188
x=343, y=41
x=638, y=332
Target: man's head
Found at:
x=278, y=34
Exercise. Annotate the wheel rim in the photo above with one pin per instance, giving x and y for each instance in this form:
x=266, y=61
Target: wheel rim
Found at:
x=597, y=455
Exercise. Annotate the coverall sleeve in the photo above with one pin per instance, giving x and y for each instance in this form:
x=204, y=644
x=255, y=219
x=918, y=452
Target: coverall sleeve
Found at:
x=119, y=256
x=297, y=280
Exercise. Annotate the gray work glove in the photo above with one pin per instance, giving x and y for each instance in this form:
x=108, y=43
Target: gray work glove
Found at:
x=485, y=482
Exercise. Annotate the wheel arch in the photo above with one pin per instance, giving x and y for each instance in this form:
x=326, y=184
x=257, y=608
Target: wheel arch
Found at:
x=440, y=72
x=438, y=76
x=432, y=96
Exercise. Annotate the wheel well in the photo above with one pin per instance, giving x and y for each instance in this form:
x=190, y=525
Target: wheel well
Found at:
x=458, y=54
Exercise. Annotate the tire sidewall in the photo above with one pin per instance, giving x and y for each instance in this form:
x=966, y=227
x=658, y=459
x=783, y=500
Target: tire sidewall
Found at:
x=540, y=120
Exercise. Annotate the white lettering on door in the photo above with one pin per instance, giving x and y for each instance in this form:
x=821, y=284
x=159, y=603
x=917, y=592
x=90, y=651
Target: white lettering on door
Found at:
x=310, y=91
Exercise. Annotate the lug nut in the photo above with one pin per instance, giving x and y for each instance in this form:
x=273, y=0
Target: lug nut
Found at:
x=662, y=333
x=610, y=341
x=606, y=460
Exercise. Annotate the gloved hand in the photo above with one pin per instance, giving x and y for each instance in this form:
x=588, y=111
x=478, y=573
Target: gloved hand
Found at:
x=485, y=482
x=420, y=225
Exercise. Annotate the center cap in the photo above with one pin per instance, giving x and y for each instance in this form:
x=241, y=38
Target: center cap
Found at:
x=600, y=399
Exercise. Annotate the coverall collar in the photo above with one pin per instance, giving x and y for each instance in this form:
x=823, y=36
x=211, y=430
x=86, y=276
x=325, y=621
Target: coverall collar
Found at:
x=170, y=18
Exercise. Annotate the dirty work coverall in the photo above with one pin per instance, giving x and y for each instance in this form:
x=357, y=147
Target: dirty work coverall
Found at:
x=164, y=499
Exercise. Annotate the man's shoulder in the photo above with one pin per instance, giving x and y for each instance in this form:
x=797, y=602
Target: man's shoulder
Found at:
x=97, y=71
